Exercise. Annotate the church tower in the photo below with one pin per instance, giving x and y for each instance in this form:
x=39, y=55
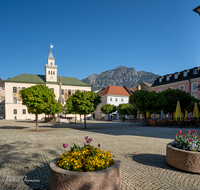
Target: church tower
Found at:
x=51, y=68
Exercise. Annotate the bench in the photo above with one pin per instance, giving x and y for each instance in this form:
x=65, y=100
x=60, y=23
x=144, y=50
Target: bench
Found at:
x=64, y=121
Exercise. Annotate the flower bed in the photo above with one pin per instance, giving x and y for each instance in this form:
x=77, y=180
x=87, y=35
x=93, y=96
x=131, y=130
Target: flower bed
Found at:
x=183, y=152
x=85, y=168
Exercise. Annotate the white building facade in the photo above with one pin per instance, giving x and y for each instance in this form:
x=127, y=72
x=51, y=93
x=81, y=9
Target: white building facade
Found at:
x=113, y=95
x=13, y=102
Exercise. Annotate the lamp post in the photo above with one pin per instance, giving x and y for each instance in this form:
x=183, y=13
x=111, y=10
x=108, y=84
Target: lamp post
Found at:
x=197, y=10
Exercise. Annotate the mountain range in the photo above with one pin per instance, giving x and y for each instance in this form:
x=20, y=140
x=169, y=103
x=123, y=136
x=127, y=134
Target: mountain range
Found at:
x=120, y=76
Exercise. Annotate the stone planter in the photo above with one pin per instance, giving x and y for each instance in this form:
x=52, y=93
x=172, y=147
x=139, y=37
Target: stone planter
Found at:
x=184, y=160
x=107, y=179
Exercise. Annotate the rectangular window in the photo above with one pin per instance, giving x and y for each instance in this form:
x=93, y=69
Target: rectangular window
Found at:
x=194, y=86
x=160, y=79
x=23, y=88
x=63, y=102
x=115, y=99
x=24, y=111
x=75, y=91
x=176, y=76
x=171, y=87
x=15, y=111
x=195, y=71
x=196, y=96
x=182, y=87
x=110, y=99
x=62, y=91
x=52, y=89
x=185, y=74
x=53, y=72
x=14, y=89
x=122, y=99
x=69, y=92
x=167, y=78
x=14, y=100
x=49, y=72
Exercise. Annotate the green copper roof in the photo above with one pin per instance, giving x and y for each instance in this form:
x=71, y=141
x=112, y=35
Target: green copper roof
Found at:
x=41, y=79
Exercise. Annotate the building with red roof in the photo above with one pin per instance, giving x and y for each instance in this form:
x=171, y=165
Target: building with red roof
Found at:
x=113, y=95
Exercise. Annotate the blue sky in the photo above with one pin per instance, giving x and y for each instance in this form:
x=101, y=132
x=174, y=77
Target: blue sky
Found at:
x=92, y=36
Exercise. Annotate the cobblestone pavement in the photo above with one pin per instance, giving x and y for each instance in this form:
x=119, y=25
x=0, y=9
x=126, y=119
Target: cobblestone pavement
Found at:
x=25, y=155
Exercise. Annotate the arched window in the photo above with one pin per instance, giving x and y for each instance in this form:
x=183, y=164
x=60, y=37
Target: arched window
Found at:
x=51, y=72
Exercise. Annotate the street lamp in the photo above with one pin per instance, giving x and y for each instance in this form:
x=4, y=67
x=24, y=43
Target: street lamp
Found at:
x=197, y=10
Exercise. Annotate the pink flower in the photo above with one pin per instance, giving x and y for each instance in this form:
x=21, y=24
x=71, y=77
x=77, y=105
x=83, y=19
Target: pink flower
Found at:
x=192, y=135
x=99, y=145
x=180, y=132
x=190, y=140
x=86, y=137
x=176, y=134
x=189, y=131
x=88, y=141
x=184, y=135
x=65, y=145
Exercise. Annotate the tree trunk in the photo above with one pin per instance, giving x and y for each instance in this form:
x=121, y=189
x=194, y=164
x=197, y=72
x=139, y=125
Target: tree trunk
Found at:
x=145, y=119
x=36, y=117
x=75, y=117
x=85, y=121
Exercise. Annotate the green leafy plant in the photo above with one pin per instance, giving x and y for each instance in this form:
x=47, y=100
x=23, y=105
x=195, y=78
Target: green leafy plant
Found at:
x=86, y=158
x=40, y=99
x=190, y=142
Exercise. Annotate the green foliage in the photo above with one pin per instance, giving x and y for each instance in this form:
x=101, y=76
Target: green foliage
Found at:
x=40, y=99
x=131, y=110
x=122, y=109
x=172, y=96
x=190, y=108
x=82, y=103
x=147, y=101
x=85, y=102
x=108, y=108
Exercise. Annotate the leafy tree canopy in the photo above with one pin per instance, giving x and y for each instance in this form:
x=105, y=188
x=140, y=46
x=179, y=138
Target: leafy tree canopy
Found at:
x=122, y=109
x=40, y=99
x=174, y=95
x=131, y=110
x=108, y=108
x=147, y=101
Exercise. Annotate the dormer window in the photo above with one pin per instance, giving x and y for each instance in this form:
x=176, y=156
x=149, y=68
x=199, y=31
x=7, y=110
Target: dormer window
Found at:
x=160, y=79
x=185, y=74
x=195, y=71
x=167, y=78
x=175, y=76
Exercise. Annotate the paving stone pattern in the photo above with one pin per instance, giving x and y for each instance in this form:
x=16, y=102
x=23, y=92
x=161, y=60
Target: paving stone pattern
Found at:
x=25, y=155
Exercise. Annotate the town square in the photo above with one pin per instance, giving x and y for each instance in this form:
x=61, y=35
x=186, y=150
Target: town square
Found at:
x=100, y=95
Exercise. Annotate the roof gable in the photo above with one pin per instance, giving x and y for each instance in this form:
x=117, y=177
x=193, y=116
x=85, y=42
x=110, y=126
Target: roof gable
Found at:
x=115, y=90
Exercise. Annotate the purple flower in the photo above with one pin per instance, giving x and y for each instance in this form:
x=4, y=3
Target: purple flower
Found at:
x=90, y=139
x=99, y=145
x=86, y=137
x=81, y=150
x=65, y=145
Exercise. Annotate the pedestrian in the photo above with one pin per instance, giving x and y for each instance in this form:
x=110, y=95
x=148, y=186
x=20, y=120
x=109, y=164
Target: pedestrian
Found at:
x=15, y=118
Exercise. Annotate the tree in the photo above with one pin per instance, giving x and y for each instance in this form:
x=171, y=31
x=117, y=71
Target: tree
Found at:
x=108, y=108
x=122, y=110
x=131, y=110
x=190, y=108
x=85, y=103
x=40, y=99
x=147, y=101
x=172, y=96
